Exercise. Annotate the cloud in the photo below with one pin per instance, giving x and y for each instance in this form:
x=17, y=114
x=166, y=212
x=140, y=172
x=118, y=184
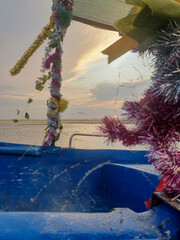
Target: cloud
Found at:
x=22, y=97
x=83, y=112
x=106, y=98
x=106, y=91
x=107, y=104
x=6, y=87
x=87, y=43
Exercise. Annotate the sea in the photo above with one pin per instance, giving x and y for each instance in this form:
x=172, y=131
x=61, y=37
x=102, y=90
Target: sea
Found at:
x=38, y=189
x=32, y=132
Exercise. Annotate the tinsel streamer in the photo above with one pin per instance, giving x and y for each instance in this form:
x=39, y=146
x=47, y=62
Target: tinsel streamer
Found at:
x=114, y=131
x=166, y=52
x=157, y=114
x=61, y=16
x=32, y=49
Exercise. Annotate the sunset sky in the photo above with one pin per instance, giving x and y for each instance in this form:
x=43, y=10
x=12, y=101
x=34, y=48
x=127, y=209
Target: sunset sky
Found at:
x=93, y=87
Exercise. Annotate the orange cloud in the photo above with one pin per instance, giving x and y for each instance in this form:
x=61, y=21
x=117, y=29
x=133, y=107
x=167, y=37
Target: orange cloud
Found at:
x=92, y=42
x=112, y=104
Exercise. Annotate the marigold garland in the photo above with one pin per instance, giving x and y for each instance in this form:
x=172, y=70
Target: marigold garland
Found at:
x=32, y=49
x=61, y=106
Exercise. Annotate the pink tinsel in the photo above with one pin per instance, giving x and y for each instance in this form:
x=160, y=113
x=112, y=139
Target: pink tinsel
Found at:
x=50, y=59
x=168, y=164
x=55, y=83
x=57, y=16
x=158, y=125
x=114, y=130
x=45, y=142
x=56, y=70
x=51, y=136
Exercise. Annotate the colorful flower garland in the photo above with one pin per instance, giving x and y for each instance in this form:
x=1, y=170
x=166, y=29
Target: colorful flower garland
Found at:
x=62, y=16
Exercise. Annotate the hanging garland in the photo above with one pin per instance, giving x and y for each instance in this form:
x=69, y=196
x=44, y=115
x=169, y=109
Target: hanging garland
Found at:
x=62, y=16
x=32, y=49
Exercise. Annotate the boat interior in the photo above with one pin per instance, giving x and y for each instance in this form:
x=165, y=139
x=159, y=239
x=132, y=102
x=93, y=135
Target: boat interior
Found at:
x=74, y=180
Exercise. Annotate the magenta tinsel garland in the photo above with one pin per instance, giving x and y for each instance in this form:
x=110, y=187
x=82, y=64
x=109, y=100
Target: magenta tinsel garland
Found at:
x=168, y=165
x=157, y=124
x=114, y=130
x=157, y=114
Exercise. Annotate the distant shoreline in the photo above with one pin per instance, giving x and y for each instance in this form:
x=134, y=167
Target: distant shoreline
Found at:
x=44, y=122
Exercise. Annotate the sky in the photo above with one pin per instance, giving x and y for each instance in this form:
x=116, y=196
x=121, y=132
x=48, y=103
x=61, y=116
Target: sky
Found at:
x=93, y=87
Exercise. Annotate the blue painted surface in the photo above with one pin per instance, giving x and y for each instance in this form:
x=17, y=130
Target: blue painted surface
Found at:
x=54, y=193
x=118, y=224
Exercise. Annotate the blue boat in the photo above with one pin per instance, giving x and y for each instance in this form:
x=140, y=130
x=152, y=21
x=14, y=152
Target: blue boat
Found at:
x=63, y=193
x=55, y=193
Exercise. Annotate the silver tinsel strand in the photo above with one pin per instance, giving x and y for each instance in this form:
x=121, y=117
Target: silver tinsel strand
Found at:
x=166, y=62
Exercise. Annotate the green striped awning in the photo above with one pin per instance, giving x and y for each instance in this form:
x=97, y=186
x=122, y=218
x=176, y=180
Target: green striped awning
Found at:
x=100, y=13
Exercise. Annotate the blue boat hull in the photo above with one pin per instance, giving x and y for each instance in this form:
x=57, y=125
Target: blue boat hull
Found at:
x=55, y=193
